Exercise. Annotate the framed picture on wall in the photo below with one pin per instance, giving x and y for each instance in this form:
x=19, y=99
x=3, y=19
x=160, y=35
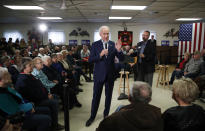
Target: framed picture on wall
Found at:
x=126, y=37
x=165, y=43
x=85, y=42
x=73, y=42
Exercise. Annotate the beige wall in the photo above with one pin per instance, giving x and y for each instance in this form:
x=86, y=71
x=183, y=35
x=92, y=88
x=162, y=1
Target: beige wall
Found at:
x=160, y=30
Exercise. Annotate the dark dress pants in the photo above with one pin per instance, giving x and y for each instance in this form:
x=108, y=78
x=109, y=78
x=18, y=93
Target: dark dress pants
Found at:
x=39, y=121
x=52, y=104
x=144, y=76
x=97, y=91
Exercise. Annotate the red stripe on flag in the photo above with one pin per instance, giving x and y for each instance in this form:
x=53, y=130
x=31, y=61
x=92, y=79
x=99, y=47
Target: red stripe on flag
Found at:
x=200, y=31
x=204, y=37
x=185, y=50
x=189, y=46
x=195, y=33
x=181, y=49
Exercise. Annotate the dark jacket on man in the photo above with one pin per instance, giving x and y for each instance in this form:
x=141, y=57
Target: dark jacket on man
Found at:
x=31, y=88
x=148, y=62
x=133, y=117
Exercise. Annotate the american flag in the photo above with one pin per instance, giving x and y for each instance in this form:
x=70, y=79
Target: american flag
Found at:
x=191, y=38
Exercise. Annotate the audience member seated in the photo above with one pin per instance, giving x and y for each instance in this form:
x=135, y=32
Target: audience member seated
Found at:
x=47, y=51
x=63, y=48
x=75, y=52
x=5, y=62
x=41, y=52
x=200, y=81
x=17, y=61
x=56, y=49
x=186, y=116
x=34, y=54
x=11, y=102
x=38, y=74
x=85, y=53
x=126, y=50
x=193, y=66
x=22, y=43
x=54, y=76
x=34, y=91
x=62, y=59
x=29, y=50
x=179, y=70
x=202, y=67
x=16, y=45
x=78, y=69
x=34, y=44
x=138, y=116
x=24, y=53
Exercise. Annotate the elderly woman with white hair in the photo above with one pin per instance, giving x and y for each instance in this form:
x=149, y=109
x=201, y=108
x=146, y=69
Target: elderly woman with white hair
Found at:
x=137, y=116
x=186, y=116
x=38, y=74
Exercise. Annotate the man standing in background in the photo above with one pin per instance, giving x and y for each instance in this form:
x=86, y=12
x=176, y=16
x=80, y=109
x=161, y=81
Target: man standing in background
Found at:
x=153, y=40
x=146, y=54
x=103, y=54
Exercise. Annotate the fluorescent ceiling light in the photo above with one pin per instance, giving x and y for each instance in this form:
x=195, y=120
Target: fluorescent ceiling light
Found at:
x=188, y=19
x=49, y=18
x=13, y=7
x=115, y=18
x=128, y=7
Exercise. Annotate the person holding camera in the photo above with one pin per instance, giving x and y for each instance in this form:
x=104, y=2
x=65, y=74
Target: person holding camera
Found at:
x=16, y=110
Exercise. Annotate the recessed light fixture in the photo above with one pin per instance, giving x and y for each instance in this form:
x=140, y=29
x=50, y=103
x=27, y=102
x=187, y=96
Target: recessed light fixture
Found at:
x=49, y=18
x=118, y=18
x=14, y=7
x=188, y=19
x=128, y=7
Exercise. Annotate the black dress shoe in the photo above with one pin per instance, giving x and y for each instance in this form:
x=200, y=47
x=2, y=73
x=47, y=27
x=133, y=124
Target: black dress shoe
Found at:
x=79, y=89
x=80, y=84
x=89, y=122
x=77, y=104
x=59, y=127
x=89, y=80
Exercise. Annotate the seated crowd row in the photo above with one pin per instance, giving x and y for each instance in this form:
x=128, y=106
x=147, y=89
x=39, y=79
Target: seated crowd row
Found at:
x=32, y=82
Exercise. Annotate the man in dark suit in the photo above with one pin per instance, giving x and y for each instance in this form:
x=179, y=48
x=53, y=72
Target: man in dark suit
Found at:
x=153, y=40
x=103, y=54
x=146, y=53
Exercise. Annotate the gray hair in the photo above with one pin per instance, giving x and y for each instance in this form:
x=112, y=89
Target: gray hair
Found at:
x=103, y=27
x=186, y=89
x=40, y=49
x=141, y=92
x=45, y=58
x=3, y=71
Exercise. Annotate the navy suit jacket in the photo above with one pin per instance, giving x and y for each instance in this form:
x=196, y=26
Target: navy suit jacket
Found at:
x=104, y=66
